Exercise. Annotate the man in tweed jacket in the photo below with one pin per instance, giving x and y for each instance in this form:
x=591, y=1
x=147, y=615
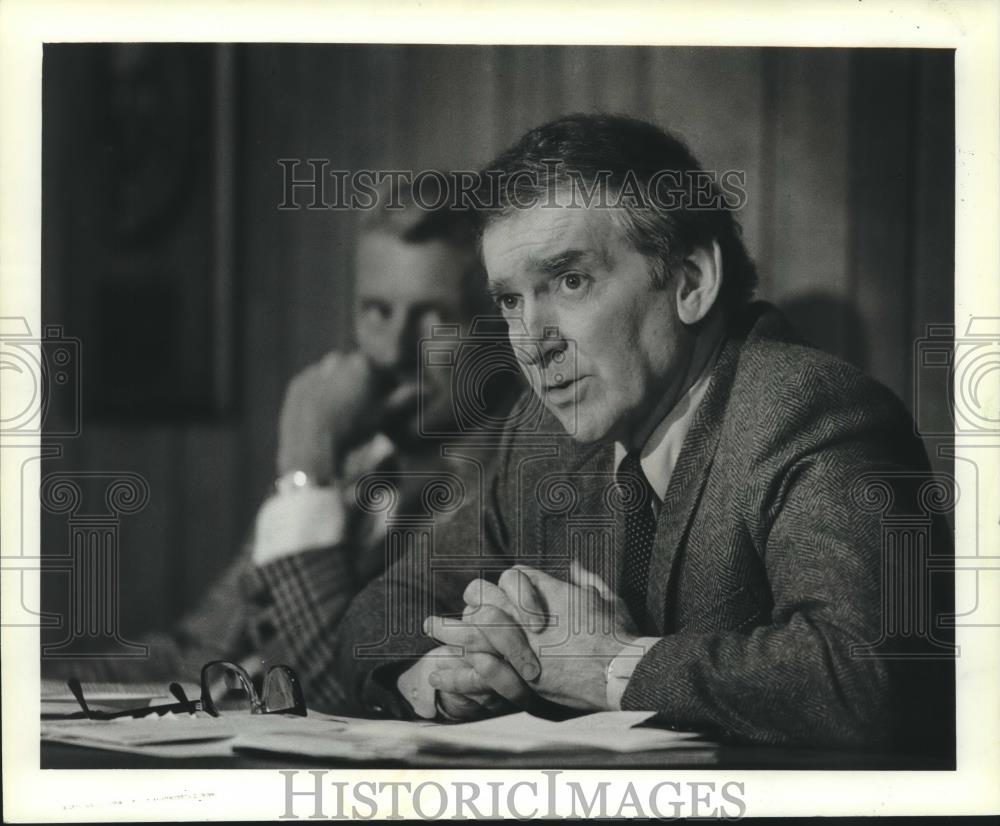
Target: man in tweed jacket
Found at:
x=769, y=599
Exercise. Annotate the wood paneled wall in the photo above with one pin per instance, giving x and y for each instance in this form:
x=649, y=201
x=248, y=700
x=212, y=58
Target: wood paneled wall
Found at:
x=848, y=158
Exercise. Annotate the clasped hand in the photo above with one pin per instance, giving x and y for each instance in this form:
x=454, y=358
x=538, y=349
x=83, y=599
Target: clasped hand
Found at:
x=531, y=635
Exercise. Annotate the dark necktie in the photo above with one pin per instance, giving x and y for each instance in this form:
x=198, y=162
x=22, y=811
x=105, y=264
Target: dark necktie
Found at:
x=640, y=528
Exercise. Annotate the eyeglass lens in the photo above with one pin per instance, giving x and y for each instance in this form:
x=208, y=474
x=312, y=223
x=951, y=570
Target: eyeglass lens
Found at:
x=279, y=691
x=230, y=690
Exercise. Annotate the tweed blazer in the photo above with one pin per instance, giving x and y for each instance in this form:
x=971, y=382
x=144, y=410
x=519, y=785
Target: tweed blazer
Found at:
x=772, y=585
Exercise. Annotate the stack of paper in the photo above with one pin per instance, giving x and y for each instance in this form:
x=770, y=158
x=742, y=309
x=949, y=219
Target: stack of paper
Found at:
x=169, y=735
x=521, y=733
x=200, y=735
x=342, y=738
x=513, y=734
x=325, y=736
x=173, y=735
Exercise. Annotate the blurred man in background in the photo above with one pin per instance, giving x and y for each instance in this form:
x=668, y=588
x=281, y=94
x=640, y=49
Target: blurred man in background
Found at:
x=350, y=414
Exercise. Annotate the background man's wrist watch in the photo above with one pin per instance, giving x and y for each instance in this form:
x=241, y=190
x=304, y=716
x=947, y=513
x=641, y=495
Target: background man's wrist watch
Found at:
x=295, y=480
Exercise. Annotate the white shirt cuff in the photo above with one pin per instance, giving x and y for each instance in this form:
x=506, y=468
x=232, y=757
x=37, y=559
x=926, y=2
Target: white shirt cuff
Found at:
x=419, y=693
x=621, y=667
x=296, y=521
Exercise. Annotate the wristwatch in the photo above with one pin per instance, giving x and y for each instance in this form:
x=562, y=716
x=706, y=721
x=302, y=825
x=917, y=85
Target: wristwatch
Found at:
x=295, y=480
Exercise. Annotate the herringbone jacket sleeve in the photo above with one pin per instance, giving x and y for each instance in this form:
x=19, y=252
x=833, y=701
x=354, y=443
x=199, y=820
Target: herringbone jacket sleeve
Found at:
x=807, y=674
x=381, y=635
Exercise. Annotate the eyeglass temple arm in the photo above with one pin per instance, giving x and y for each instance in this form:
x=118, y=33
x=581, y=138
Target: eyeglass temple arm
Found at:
x=77, y=689
x=175, y=688
x=178, y=691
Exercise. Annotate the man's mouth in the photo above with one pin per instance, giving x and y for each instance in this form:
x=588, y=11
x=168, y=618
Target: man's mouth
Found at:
x=559, y=383
x=561, y=391
x=404, y=396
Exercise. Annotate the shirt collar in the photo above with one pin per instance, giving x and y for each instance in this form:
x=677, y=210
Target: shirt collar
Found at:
x=659, y=455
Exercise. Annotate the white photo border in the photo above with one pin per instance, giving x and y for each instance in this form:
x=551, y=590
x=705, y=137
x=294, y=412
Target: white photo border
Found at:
x=970, y=27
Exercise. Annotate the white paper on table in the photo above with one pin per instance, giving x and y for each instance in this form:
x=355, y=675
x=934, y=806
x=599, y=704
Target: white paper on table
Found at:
x=520, y=733
x=327, y=736
x=182, y=750
x=170, y=728
x=349, y=738
x=514, y=734
x=358, y=739
x=200, y=735
x=128, y=731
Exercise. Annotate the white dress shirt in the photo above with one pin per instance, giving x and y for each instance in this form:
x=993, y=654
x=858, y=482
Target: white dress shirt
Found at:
x=293, y=521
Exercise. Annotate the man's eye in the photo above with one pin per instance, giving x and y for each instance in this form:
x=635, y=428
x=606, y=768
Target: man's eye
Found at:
x=376, y=311
x=508, y=303
x=573, y=281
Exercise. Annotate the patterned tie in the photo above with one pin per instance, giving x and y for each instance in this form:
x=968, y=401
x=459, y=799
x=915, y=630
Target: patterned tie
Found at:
x=640, y=528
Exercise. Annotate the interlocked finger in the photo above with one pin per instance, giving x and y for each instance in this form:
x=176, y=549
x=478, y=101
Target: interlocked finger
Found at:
x=490, y=631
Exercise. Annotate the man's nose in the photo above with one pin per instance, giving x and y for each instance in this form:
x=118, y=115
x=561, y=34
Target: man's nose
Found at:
x=402, y=341
x=393, y=350
x=544, y=340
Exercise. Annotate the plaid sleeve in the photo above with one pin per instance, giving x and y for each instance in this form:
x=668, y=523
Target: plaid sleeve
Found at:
x=306, y=594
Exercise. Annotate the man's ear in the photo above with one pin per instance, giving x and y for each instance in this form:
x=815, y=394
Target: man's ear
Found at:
x=699, y=280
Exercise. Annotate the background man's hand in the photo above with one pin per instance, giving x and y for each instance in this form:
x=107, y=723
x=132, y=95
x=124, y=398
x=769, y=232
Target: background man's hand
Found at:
x=329, y=408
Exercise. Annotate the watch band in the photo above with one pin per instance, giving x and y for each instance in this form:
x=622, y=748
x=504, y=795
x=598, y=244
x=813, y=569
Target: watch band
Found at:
x=622, y=666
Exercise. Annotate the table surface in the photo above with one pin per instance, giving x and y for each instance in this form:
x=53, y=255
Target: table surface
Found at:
x=65, y=756
x=70, y=756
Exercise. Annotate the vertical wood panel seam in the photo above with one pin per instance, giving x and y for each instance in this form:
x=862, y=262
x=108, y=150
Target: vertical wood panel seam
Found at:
x=768, y=165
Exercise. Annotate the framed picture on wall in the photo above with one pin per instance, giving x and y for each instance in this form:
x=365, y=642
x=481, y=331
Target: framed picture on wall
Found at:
x=138, y=221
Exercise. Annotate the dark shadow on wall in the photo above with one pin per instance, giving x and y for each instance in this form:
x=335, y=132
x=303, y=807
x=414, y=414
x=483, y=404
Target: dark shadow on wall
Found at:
x=830, y=323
